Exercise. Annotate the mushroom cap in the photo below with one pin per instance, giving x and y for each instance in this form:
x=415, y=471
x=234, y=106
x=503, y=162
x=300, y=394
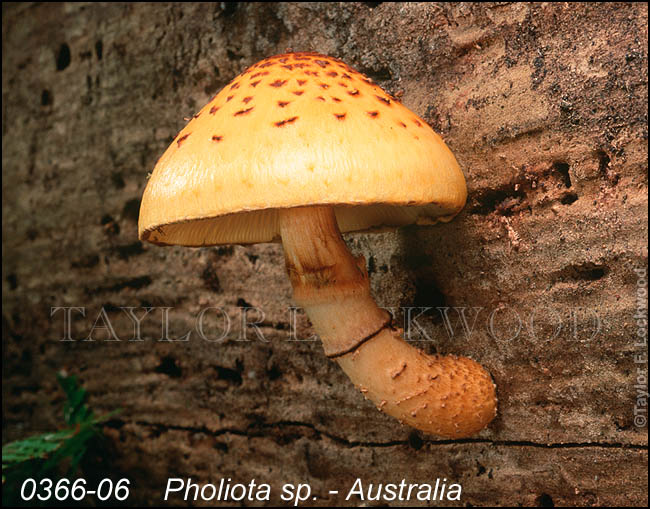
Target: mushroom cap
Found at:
x=294, y=130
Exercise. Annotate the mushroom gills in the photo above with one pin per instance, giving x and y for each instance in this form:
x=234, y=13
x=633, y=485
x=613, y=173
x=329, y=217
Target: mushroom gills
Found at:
x=449, y=396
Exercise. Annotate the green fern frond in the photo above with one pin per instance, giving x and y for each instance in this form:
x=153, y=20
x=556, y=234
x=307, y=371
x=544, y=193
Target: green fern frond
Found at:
x=36, y=456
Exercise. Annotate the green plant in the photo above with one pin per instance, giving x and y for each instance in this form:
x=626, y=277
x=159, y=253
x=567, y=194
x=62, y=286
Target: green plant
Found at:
x=45, y=455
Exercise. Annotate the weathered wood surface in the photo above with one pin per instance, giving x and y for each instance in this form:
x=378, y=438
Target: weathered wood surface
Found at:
x=545, y=107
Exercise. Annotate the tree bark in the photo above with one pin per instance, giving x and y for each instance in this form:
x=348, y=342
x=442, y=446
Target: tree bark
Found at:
x=545, y=107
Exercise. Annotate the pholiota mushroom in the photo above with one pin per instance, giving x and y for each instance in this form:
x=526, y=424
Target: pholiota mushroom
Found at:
x=299, y=148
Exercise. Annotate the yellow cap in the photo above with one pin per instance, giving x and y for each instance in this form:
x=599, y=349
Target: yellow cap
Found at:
x=294, y=130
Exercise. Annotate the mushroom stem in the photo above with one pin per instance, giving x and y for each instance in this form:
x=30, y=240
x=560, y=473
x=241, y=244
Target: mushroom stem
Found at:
x=448, y=396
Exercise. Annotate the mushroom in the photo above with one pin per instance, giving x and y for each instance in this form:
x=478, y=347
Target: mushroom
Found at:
x=299, y=148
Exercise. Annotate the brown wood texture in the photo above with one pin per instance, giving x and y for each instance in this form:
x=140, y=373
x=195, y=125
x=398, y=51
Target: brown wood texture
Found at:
x=545, y=107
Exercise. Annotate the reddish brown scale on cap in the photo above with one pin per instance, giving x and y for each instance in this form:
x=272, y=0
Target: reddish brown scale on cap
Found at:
x=234, y=85
x=383, y=99
x=287, y=66
x=282, y=123
x=301, y=82
x=336, y=99
x=247, y=99
x=346, y=76
x=243, y=112
x=228, y=99
x=344, y=85
x=266, y=64
x=324, y=85
x=312, y=73
x=217, y=138
x=300, y=65
x=322, y=63
x=255, y=83
x=278, y=83
x=373, y=114
x=320, y=98
x=332, y=74
x=284, y=60
x=298, y=92
x=354, y=92
x=282, y=104
x=214, y=109
x=257, y=74
x=340, y=116
x=182, y=139
x=417, y=122
x=402, y=124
